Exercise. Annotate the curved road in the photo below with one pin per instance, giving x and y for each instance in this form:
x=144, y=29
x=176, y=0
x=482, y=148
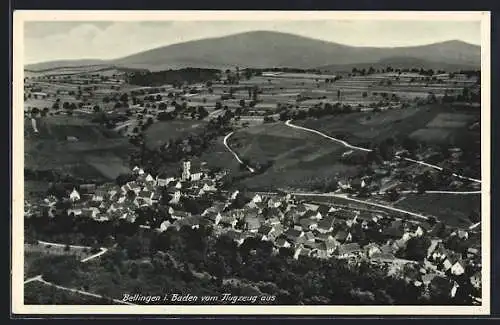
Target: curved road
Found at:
x=346, y=144
x=235, y=154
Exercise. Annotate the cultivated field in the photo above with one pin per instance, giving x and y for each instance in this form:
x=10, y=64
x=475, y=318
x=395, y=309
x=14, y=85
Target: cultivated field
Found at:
x=161, y=132
x=453, y=210
x=95, y=152
x=359, y=128
x=300, y=159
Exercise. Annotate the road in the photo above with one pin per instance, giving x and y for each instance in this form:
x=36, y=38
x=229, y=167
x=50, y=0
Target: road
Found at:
x=39, y=278
x=346, y=197
x=235, y=154
x=346, y=144
x=342, y=142
x=439, y=192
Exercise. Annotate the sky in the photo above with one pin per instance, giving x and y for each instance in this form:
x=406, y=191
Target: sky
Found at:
x=48, y=40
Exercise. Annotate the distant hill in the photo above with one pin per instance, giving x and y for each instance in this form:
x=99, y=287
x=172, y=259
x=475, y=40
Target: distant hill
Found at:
x=263, y=49
x=39, y=67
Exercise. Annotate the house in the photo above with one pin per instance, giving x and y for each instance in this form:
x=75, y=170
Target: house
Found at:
x=348, y=250
x=293, y=235
x=273, y=221
x=439, y=253
x=252, y=224
x=163, y=180
x=472, y=252
x=165, y=225
x=134, y=187
x=89, y=212
x=137, y=170
x=302, y=252
x=301, y=209
x=313, y=215
x=326, y=224
x=343, y=236
x=150, y=179
x=267, y=232
x=176, y=214
x=237, y=237
x=327, y=247
x=371, y=249
x=257, y=198
x=234, y=195
x=176, y=196
x=274, y=203
x=328, y=236
x=74, y=195
x=146, y=196
x=308, y=224
x=419, y=232
x=228, y=220
x=99, y=195
x=462, y=234
x=88, y=188
x=282, y=243
x=178, y=185
x=430, y=250
x=192, y=222
x=475, y=280
x=386, y=258
x=209, y=186
x=458, y=268
x=214, y=218
x=273, y=213
x=309, y=237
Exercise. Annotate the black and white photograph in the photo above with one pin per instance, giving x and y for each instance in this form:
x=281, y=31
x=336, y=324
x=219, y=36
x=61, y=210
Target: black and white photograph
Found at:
x=251, y=162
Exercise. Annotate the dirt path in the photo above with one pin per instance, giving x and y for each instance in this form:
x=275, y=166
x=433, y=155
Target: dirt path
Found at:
x=346, y=144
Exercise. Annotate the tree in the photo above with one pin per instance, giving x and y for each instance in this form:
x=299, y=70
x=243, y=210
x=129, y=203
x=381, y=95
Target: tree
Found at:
x=416, y=248
x=97, y=108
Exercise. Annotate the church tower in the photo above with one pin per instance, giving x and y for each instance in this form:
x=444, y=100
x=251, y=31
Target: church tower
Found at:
x=186, y=170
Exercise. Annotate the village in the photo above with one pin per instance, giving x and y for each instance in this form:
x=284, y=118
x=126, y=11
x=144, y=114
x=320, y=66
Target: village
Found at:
x=409, y=249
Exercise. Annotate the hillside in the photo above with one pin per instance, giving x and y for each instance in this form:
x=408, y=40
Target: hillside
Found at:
x=262, y=49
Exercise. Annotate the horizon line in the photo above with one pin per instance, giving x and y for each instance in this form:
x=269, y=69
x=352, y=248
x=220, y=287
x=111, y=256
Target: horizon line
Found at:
x=249, y=32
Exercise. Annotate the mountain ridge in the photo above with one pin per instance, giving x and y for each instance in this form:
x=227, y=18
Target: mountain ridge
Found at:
x=264, y=49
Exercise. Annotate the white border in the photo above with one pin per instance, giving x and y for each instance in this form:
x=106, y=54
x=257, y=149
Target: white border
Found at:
x=20, y=17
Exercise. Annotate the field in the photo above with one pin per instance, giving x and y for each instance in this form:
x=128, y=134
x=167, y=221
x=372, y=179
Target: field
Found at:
x=452, y=209
x=362, y=128
x=161, y=132
x=97, y=153
x=300, y=159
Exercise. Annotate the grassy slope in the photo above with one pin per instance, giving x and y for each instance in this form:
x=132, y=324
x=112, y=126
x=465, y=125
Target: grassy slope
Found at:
x=50, y=150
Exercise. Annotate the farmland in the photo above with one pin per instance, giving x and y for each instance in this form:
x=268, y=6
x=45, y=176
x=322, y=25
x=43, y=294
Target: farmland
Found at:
x=413, y=121
x=299, y=158
x=453, y=210
x=162, y=132
x=95, y=152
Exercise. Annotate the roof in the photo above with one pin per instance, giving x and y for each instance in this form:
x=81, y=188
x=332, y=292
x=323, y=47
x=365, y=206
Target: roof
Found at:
x=310, y=214
x=341, y=235
x=348, y=248
x=293, y=233
x=325, y=236
x=427, y=278
x=265, y=229
x=253, y=223
x=327, y=245
x=385, y=257
x=326, y=223
x=307, y=222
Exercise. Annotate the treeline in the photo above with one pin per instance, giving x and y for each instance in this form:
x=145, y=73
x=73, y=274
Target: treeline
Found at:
x=153, y=160
x=194, y=261
x=175, y=77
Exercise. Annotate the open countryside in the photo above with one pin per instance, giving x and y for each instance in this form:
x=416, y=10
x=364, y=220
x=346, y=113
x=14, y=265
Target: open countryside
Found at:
x=354, y=181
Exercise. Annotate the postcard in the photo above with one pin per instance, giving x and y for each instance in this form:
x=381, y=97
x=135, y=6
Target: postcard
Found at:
x=251, y=162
